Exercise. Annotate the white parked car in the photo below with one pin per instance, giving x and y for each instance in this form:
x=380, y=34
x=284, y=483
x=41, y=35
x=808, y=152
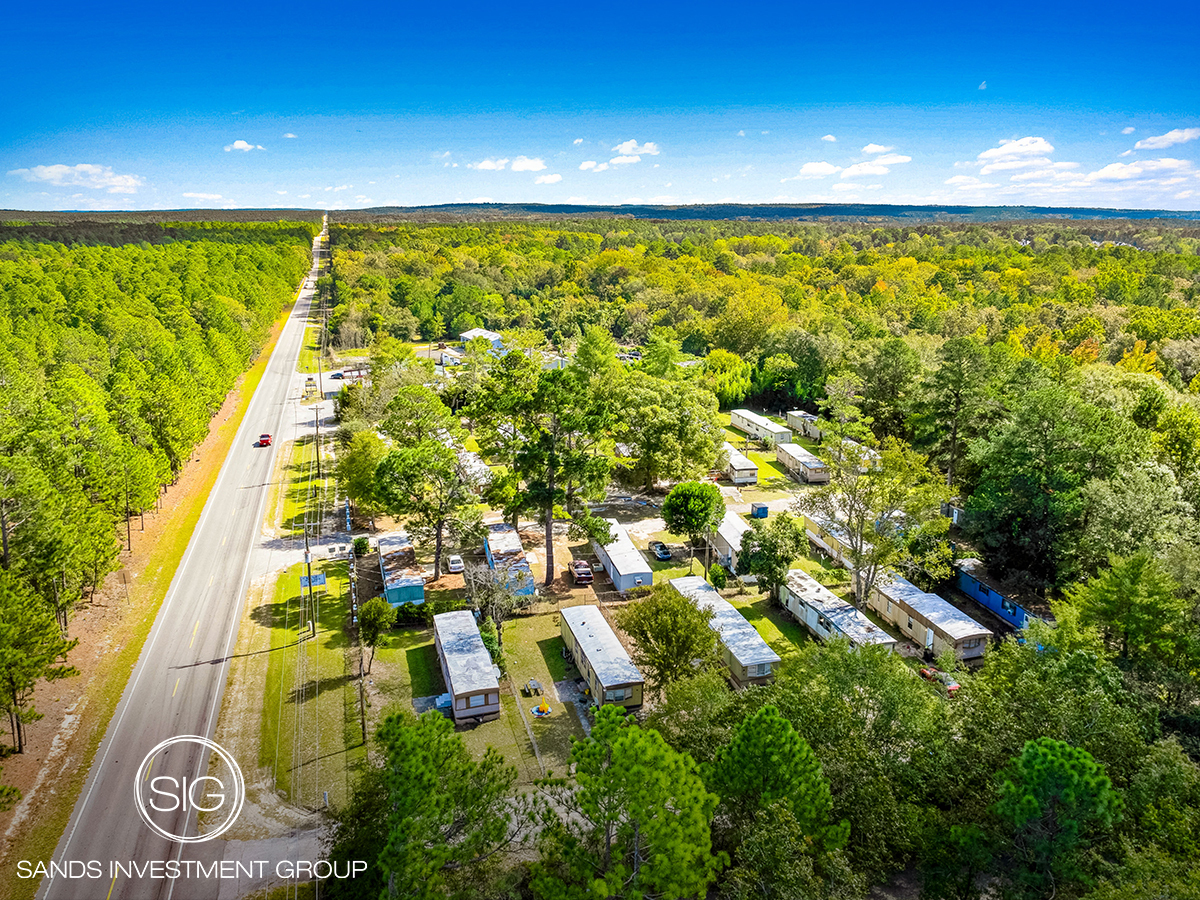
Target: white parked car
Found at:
x=454, y=565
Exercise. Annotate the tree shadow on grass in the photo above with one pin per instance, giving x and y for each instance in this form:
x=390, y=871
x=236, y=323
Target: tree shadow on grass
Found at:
x=316, y=686
x=551, y=649
x=424, y=673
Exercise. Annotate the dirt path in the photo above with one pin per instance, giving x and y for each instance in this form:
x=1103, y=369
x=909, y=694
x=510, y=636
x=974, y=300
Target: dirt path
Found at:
x=111, y=629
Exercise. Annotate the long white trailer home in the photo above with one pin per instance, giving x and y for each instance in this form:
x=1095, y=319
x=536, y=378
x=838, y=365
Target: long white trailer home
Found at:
x=602, y=661
x=748, y=657
x=623, y=561
x=804, y=423
x=759, y=426
x=801, y=464
x=739, y=467
x=726, y=541
x=827, y=615
x=466, y=666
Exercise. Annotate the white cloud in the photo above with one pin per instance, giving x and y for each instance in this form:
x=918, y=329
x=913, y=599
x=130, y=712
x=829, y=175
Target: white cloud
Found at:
x=489, y=165
x=864, y=168
x=1015, y=155
x=194, y=196
x=1135, y=170
x=305, y=196
x=525, y=164
x=892, y=159
x=577, y=141
x=766, y=132
x=590, y=164
x=1126, y=153
x=1026, y=146
x=983, y=85
x=1128, y=129
x=1170, y=139
x=281, y=192
x=741, y=134
x=547, y=179
x=1183, y=195
x=340, y=187
x=815, y=170
x=83, y=175
x=876, y=148
x=289, y=135
x=968, y=182
x=631, y=148
x=244, y=146
x=830, y=138
x=624, y=160
x=601, y=168
x=1055, y=171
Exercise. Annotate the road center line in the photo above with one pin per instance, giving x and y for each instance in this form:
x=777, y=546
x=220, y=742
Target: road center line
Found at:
x=176, y=687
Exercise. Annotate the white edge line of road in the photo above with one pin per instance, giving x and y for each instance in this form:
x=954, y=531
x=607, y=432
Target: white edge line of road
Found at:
x=233, y=626
x=47, y=885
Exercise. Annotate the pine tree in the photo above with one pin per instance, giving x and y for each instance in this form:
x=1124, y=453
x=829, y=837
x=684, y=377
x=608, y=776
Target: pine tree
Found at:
x=766, y=763
x=635, y=824
x=32, y=648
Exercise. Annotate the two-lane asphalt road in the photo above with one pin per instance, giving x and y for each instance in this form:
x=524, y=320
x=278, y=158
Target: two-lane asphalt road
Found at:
x=177, y=684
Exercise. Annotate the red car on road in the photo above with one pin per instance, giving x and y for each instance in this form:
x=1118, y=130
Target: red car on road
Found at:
x=264, y=440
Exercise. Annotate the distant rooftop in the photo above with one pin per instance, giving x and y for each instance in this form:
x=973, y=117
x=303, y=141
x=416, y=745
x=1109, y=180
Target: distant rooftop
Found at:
x=762, y=421
x=398, y=561
x=738, y=460
x=480, y=332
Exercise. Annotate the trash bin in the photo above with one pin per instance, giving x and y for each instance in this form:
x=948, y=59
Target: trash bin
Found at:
x=758, y=510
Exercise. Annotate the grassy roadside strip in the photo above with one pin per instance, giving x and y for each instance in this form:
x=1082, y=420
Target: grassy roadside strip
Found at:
x=47, y=822
x=307, y=361
x=310, y=740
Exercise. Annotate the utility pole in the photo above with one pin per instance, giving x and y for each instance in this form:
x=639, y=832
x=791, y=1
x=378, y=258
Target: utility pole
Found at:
x=317, y=412
x=308, y=567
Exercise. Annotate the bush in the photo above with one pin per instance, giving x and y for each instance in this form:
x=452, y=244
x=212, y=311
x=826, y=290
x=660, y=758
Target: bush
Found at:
x=361, y=546
x=716, y=576
x=491, y=640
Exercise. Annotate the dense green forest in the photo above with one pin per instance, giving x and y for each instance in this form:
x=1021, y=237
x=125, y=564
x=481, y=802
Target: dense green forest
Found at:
x=1043, y=374
x=117, y=345
x=964, y=341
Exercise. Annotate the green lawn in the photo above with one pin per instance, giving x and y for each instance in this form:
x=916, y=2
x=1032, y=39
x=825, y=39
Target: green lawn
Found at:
x=311, y=734
x=409, y=658
x=533, y=649
x=772, y=477
x=307, y=361
x=304, y=491
x=783, y=633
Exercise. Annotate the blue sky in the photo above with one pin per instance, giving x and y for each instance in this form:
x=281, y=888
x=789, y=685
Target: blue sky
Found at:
x=141, y=106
